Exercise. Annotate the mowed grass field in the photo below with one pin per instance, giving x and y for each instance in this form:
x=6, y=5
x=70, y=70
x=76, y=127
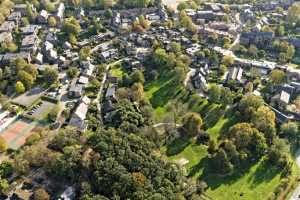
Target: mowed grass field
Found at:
x=253, y=181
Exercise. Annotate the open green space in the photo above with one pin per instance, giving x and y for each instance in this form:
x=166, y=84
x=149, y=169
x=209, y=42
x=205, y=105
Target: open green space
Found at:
x=161, y=91
x=117, y=71
x=253, y=181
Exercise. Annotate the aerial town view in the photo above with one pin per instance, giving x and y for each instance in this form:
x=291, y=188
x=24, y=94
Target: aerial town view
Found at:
x=149, y=100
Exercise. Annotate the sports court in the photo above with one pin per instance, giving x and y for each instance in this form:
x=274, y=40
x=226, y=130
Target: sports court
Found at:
x=15, y=134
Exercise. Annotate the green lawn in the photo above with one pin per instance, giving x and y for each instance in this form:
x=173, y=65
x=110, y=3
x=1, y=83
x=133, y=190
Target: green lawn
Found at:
x=254, y=181
x=117, y=71
x=161, y=91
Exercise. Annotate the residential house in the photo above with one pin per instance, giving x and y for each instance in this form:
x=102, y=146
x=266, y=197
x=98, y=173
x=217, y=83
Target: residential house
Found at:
x=153, y=17
x=42, y=18
x=235, y=73
x=7, y=26
x=83, y=80
x=88, y=70
x=200, y=82
x=30, y=43
x=59, y=15
x=52, y=56
x=78, y=117
x=51, y=37
x=111, y=93
x=258, y=38
x=22, y=8
x=8, y=57
x=15, y=17
x=68, y=194
x=75, y=91
x=5, y=37
x=109, y=55
x=39, y=58
x=30, y=30
x=281, y=100
x=67, y=45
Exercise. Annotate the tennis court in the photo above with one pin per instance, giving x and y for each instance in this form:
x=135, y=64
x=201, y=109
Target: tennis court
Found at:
x=15, y=134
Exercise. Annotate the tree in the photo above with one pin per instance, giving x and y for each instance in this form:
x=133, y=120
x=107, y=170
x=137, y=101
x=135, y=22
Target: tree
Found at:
x=3, y=145
x=264, y=120
x=26, y=79
x=253, y=51
x=137, y=77
x=278, y=153
x=192, y=123
x=4, y=185
x=71, y=26
x=84, y=53
x=19, y=87
x=214, y=93
x=182, y=6
x=52, y=115
x=290, y=130
x=277, y=77
x=280, y=30
x=294, y=14
x=221, y=162
x=175, y=47
x=11, y=47
x=228, y=60
x=297, y=103
x=137, y=91
x=41, y=194
x=249, y=87
x=72, y=72
x=226, y=96
x=50, y=7
x=249, y=105
x=50, y=76
x=52, y=21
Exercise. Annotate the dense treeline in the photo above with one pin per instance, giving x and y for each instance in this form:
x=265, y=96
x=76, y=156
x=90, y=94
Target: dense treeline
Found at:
x=113, y=164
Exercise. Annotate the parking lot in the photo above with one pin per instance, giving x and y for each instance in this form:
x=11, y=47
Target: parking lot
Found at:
x=41, y=110
x=28, y=98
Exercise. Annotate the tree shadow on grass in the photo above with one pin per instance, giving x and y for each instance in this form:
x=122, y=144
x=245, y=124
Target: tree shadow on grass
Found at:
x=265, y=172
x=215, y=180
x=204, y=162
x=177, y=146
x=213, y=116
x=166, y=93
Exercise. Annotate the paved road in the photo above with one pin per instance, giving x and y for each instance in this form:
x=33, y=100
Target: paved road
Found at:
x=162, y=124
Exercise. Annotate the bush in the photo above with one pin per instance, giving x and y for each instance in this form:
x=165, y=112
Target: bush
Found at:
x=33, y=139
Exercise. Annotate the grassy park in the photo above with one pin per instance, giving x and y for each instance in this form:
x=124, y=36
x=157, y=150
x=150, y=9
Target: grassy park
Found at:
x=253, y=181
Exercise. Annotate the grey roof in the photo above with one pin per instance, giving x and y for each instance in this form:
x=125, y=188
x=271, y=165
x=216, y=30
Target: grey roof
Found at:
x=30, y=40
x=7, y=26
x=14, y=16
x=6, y=37
x=30, y=29
x=110, y=91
